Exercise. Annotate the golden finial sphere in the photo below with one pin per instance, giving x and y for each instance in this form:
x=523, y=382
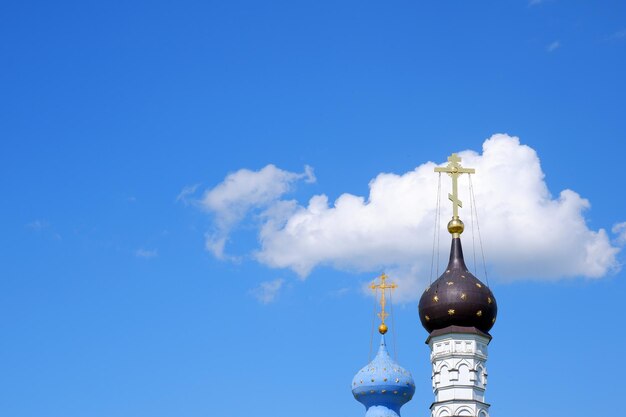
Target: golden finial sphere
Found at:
x=382, y=329
x=456, y=226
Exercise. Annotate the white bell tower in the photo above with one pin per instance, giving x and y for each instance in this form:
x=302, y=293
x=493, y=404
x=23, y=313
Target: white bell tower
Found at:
x=458, y=310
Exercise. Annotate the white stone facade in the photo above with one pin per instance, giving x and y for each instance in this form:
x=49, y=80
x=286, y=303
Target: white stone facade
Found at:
x=459, y=375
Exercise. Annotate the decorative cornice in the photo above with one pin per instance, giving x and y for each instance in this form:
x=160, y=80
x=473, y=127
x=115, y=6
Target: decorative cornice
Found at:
x=457, y=330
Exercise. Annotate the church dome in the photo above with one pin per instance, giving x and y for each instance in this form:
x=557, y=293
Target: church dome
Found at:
x=383, y=386
x=457, y=298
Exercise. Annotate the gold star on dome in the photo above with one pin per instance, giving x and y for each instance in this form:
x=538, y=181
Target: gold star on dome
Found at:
x=436, y=299
x=463, y=296
x=479, y=313
x=451, y=311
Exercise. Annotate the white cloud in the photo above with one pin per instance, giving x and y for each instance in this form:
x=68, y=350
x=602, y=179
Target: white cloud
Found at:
x=44, y=228
x=37, y=225
x=242, y=191
x=146, y=253
x=619, y=35
x=186, y=193
x=553, y=46
x=341, y=292
x=528, y=233
x=268, y=291
x=620, y=230
x=532, y=3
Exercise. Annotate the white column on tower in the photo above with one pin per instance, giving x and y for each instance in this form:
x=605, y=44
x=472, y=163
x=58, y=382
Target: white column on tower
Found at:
x=459, y=374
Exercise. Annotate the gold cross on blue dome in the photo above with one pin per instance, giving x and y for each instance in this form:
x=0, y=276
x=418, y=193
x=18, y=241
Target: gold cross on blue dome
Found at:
x=382, y=329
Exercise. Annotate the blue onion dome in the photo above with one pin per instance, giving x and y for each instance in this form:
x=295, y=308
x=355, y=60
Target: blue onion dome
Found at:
x=383, y=386
x=457, y=298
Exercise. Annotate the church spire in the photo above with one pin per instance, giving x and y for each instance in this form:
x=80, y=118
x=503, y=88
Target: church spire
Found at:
x=383, y=386
x=457, y=297
x=458, y=311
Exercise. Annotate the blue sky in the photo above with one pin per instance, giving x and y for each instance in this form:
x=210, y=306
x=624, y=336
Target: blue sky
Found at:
x=110, y=303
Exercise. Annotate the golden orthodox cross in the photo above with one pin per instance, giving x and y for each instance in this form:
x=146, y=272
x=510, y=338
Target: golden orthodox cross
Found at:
x=454, y=169
x=382, y=287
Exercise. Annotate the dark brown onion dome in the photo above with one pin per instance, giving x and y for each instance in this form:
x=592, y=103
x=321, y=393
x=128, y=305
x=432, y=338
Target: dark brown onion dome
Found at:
x=457, y=298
